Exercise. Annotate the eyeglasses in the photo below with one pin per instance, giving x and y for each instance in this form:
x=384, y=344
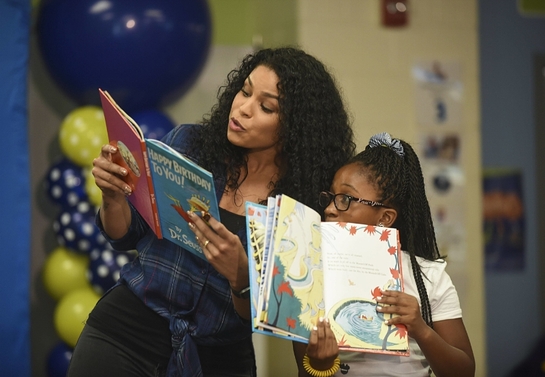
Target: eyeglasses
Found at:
x=342, y=201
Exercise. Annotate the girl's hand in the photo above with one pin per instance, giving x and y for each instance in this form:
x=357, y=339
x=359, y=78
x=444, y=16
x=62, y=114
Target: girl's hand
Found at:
x=322, y=347
x=407, y=309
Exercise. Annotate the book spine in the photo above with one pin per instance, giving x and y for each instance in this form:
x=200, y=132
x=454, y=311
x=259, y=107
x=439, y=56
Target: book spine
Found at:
x=153, y=200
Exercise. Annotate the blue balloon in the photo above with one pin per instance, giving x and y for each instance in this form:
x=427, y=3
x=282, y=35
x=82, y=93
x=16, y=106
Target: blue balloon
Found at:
x=145, y=53
x=59, y=360
x=105, y=266
x=75, y=229
x=154, y=124
x=65, y=183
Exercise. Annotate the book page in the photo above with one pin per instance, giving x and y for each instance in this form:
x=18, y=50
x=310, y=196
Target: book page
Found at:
x=131, y=121
x=258, y=234
x=256, y=218
x=295, y=286
x=273, y=206
x=360, y=261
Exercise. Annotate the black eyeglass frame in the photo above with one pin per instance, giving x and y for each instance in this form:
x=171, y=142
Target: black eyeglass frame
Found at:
x=333, y=197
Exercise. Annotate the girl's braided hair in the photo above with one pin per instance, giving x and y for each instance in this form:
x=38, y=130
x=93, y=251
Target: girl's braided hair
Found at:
x=393, y=166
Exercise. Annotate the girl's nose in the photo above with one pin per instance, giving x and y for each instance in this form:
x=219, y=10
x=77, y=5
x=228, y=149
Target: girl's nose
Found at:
x=330, y=211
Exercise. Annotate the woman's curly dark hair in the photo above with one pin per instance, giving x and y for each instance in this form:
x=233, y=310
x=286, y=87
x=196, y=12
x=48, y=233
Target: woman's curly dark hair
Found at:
x=400, y=184
x=315, y=133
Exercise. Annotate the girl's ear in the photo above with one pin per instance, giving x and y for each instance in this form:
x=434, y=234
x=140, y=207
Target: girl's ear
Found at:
x=388, y=217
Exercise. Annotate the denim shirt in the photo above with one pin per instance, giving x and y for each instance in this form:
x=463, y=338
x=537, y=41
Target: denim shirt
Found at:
x=181, y=287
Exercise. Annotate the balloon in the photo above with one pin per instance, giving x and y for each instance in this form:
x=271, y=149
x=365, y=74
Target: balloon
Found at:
x=92, y=190
x=82, y=134
x=65, y=183
x=104, y=268
x=59, y=360
x=142, y=52
x=64, y=271
x=154, y=124
x=76, y=229
x=71, y=313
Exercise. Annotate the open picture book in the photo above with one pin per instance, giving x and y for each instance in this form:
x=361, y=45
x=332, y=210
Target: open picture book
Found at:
x=302, y=268
x=164, y=183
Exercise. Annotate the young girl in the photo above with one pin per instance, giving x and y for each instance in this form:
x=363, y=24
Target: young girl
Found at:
x=383, y=185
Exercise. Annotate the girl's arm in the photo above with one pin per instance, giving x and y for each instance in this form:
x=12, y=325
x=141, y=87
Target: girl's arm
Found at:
x=446, y=347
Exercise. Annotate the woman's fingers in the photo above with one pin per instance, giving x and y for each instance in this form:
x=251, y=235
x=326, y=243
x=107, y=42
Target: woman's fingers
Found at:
x=109, y=175
x=223, y=250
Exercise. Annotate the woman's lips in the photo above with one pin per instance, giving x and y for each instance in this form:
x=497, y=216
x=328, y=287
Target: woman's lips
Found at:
x=235, y=125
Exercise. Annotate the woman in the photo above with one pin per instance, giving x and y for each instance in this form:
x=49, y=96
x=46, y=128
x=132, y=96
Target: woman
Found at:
x=388, y=175
x=279, y=126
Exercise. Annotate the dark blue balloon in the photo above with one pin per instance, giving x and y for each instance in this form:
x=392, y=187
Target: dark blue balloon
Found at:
x=104, y=267
x=65, y=184
x=76, y=229
x=154, y=124
x=145, y=53
x=59, y=360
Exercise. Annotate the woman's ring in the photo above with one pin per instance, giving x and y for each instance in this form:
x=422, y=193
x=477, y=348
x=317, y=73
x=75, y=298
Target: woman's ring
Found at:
x=205, y=244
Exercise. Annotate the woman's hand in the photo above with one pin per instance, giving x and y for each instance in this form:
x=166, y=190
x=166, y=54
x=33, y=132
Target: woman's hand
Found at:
x=225, y=253
x=114, y=210
x=109, y=175
x=222, y=248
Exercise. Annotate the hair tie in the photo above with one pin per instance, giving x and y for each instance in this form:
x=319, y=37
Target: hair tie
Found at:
x=385, y=140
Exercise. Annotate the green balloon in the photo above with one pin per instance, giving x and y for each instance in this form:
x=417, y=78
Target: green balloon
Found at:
x=64, y=271
x=72, y=312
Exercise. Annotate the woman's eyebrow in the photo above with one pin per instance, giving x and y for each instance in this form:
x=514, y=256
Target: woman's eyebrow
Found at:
x=264, y=93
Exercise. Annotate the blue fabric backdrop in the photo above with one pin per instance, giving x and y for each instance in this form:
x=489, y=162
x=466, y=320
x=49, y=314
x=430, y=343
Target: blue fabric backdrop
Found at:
x=14, y=190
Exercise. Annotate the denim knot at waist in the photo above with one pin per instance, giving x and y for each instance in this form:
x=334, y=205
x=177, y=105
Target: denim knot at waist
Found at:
x=184, y=361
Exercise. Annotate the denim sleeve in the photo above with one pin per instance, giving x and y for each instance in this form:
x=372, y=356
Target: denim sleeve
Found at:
x=137, y=230
x=178, y=137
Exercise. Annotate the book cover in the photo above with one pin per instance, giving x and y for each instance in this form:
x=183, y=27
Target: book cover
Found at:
x=327, y=269
x=180, y=185
x=165, y=183
x=126, y=136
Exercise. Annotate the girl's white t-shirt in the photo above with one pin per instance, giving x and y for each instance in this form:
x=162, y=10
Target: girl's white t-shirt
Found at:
x=445, y=304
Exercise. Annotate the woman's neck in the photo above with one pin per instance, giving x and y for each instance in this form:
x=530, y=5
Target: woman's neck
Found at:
x=255, y=183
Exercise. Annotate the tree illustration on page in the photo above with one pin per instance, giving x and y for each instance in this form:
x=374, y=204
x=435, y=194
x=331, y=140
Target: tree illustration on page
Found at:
x=286, y=308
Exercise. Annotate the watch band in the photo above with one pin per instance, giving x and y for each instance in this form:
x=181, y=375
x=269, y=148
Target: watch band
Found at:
x=243, y=293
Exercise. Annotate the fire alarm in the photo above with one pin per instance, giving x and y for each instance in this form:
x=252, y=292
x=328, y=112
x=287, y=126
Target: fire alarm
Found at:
x=394, y=12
